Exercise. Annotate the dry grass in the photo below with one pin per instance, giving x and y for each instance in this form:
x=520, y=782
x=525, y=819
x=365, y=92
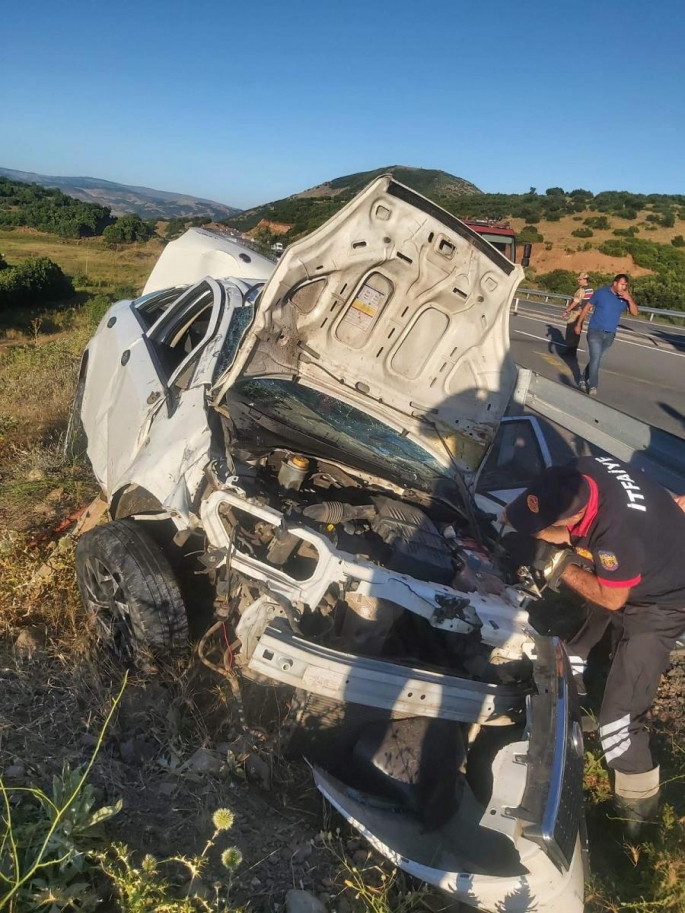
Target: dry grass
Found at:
x=128, y=264
x=567, y=252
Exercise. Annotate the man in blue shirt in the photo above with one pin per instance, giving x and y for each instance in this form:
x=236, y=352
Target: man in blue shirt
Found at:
x=609, y=303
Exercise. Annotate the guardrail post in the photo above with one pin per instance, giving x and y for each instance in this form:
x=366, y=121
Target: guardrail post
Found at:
x=516, y=305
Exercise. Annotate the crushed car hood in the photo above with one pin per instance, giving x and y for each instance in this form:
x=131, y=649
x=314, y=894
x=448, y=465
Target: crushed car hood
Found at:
x=397, y=304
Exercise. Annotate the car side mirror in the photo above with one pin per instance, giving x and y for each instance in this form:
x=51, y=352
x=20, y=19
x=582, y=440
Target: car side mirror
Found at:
x=525, y=259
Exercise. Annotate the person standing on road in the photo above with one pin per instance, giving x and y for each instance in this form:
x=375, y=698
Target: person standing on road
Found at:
x=571, y=313
x=609, y=303
x=630, y=531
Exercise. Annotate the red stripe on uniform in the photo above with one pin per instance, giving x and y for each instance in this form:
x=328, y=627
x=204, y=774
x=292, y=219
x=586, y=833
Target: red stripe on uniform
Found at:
x=583, y=526
x=618, y=583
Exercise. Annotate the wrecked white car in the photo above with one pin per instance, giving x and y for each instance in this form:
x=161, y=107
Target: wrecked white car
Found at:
x=317, y=433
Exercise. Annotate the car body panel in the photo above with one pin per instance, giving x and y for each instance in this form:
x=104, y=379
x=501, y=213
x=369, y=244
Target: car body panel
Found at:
x=152, y=425
x=199, y=253
x=396, y=301
x=542, y=888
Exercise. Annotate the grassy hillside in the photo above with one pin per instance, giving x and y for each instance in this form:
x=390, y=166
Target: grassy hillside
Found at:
x=652, y=254
x=126, y=198
x=49, y=210
x=305, y=211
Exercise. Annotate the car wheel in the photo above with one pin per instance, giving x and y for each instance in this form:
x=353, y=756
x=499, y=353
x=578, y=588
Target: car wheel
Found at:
x=130, y=591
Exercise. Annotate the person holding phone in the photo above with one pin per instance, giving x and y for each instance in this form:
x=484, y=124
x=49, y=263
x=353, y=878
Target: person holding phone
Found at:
x=609, y=303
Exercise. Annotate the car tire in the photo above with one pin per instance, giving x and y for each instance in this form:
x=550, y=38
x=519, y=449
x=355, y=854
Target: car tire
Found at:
x=130, y=592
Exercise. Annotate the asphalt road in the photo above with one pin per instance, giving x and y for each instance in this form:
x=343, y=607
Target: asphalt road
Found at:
x=642, y=374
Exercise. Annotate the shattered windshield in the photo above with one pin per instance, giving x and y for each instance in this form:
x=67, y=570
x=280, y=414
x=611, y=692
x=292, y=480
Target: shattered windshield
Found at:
x=344, y=426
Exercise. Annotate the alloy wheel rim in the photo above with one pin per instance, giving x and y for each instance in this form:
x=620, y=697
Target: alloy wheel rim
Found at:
x=108, y=606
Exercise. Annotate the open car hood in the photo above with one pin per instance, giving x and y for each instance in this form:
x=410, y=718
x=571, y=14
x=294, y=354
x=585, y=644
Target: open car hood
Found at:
x=396, y=304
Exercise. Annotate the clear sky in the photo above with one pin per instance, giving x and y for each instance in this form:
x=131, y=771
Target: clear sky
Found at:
x=252, y=101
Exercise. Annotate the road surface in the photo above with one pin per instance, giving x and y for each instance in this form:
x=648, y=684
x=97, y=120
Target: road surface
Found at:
x=642, y=374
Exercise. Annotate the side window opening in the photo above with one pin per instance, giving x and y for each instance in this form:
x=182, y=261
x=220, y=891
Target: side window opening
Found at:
x=150, y=307
x=185, y=328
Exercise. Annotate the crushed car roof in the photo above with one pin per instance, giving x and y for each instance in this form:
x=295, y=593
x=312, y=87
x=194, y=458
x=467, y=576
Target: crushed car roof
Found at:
x=199, y=253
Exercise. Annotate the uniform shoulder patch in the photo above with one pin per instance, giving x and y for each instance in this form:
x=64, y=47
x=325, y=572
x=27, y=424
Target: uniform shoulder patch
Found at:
x=608, y=560
x=533, y=504
x=583, y=552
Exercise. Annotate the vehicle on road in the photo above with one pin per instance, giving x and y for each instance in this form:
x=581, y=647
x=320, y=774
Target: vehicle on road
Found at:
x=502, y=237
x=317, y=433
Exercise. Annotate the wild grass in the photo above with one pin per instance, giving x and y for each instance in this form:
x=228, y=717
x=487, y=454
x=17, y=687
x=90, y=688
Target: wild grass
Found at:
x=55, y=853
x=127, y=264
x=641, y=876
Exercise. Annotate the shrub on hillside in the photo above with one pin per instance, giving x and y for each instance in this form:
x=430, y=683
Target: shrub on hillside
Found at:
x=660, y=292
x=529, y=235
x=583, y=233
x=660, y=258
x=613, y=248
x=598, y=222
x=126, y=230
x=626, y=232
x=35, y=281
x=678, y=241
x=562, y=281
x=95, y=309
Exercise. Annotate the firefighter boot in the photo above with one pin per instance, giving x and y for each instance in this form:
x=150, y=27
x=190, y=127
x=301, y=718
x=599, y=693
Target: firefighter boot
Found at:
x=636, y=797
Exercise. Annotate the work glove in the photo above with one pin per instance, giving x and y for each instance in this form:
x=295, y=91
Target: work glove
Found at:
x=550, y=563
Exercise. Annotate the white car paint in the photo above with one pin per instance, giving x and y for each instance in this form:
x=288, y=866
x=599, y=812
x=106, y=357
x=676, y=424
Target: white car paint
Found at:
x=199, y=253
x=402, y=307
x=386, y=307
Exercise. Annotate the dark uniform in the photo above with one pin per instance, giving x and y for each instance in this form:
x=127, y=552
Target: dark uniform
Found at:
x=633, y=532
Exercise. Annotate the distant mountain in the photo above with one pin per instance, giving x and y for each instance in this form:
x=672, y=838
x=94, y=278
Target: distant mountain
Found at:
x=427, y=181
x=126, y=198
x=305, y=211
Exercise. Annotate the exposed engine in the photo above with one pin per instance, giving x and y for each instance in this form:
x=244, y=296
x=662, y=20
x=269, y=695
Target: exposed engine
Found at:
x=283, y=495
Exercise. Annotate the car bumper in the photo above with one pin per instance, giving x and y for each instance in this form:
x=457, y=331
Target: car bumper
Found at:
x=536, y=802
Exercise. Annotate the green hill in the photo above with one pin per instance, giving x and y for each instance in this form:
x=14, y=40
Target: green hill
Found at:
x=48, y=209
x=305, y=211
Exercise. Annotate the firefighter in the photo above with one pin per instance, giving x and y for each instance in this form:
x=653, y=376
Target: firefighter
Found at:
x=629, y=533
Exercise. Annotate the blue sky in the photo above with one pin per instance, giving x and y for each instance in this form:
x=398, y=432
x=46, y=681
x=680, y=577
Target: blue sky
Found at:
x=249, y=102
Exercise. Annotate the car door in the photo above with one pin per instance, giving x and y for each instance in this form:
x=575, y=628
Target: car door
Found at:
x=519, y=453
x=178, y=443
x=135, y=363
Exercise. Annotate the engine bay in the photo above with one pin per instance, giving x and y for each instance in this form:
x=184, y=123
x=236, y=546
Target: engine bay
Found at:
x=289, y=509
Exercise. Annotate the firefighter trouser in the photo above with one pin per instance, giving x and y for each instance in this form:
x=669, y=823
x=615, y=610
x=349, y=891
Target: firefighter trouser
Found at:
x=643, y=638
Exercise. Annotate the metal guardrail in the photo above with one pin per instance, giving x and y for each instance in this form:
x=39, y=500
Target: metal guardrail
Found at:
x=534, y=294
x=659, y=453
